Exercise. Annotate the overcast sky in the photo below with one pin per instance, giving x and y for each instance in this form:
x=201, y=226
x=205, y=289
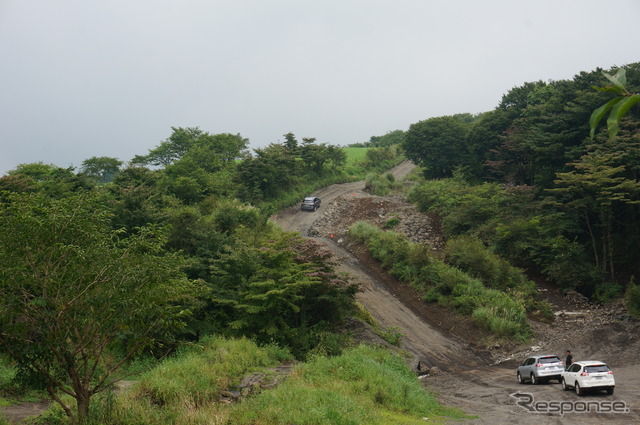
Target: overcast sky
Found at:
x=84, y=78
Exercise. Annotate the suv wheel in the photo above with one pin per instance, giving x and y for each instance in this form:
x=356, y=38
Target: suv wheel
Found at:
x=610, y=390
x=520, y=380
x=579, y=390
x=534, y=380
x=564, y=385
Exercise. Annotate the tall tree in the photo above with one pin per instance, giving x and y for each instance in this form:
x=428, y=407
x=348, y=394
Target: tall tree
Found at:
x=71, y=290
x=102, y=168
x=281, y=289
x=593, y=189
x=438, y=144
x=53, y=180
x=172, y=149
x=270, y=172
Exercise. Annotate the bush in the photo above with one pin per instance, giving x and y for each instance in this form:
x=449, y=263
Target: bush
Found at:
x=392, y=222
x=607, y=291
x=381, y=185
x=472, y=256
x=633, y=299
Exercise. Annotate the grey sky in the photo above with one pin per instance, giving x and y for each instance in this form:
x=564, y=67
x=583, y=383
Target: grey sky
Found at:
x=84, y=78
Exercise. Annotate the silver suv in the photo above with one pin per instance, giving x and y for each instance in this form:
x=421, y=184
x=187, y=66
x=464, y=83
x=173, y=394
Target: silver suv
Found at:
x=538, y=369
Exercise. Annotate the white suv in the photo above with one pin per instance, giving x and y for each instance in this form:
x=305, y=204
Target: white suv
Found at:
x=588, y=375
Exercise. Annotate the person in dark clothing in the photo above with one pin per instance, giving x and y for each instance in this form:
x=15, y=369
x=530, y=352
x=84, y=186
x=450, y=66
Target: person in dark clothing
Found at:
x=568, y=360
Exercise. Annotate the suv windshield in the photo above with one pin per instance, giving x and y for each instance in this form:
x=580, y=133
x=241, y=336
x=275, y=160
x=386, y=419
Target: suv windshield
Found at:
x=553, y=359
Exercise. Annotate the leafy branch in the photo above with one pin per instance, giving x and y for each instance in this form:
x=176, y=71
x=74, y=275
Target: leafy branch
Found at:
x=616, y=107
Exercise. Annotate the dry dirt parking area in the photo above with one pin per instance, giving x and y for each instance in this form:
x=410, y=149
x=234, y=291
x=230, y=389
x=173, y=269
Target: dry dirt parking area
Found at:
x=480, y=381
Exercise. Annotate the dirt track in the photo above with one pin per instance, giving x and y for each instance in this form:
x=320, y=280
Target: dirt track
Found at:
x=481, y=382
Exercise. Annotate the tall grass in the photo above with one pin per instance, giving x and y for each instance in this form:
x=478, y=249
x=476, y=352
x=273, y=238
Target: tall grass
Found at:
x=186, y=388
x=199, y=373
x=363, y=386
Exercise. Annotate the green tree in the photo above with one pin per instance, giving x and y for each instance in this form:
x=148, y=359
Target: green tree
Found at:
x=136, y=198
x=172, y=149
x=71, y=290
x=395, y=137
x=18, y=183
x=281, y=289
x=272, y=171
x=102, y=168
x=593, y=189
x=53, y=180
x=438, y=144
x=291, y=142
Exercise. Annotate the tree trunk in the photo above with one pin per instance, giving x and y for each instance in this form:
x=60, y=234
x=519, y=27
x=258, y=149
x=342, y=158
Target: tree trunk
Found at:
x=609, y=236
x=593, y=238
x=83, y=406
x=81, y=389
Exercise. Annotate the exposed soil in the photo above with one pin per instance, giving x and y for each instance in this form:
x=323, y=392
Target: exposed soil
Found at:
x=478, y=379
x=17, y=413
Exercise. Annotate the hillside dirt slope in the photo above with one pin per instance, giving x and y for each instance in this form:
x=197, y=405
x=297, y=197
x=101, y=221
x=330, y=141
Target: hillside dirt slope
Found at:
x=480, y=381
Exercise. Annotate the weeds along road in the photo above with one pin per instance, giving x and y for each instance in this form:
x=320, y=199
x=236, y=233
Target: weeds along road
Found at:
x=468, y=379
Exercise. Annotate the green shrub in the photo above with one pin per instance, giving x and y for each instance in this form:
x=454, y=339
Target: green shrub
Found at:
x=199, y=373
x=500, y=312
x=7, y=374
x=363, y=231
x=471, y=255
x=633, y=299
x=392, y=335
x=380, y=185
x=607, y=291
x=392, y=222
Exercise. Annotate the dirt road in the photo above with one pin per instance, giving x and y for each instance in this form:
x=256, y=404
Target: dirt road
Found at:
x=480, y=382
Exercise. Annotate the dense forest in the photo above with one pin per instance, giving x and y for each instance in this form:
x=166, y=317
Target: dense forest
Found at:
x=117, y=261
x=530, y=181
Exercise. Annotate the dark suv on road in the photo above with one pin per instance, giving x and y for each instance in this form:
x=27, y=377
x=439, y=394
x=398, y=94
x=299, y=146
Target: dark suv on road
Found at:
x=310, y=203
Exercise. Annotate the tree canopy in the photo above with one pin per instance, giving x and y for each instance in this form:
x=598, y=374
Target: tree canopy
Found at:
x=71, y=289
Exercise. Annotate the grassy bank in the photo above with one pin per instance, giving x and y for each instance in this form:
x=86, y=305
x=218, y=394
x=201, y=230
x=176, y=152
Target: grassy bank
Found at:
x=477, y=283
x=364, y=385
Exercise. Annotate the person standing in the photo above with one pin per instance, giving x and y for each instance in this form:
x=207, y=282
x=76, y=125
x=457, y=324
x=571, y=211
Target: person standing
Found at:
x=569, y=360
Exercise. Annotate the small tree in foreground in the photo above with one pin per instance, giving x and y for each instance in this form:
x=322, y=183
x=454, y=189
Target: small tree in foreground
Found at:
x=71, y=290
